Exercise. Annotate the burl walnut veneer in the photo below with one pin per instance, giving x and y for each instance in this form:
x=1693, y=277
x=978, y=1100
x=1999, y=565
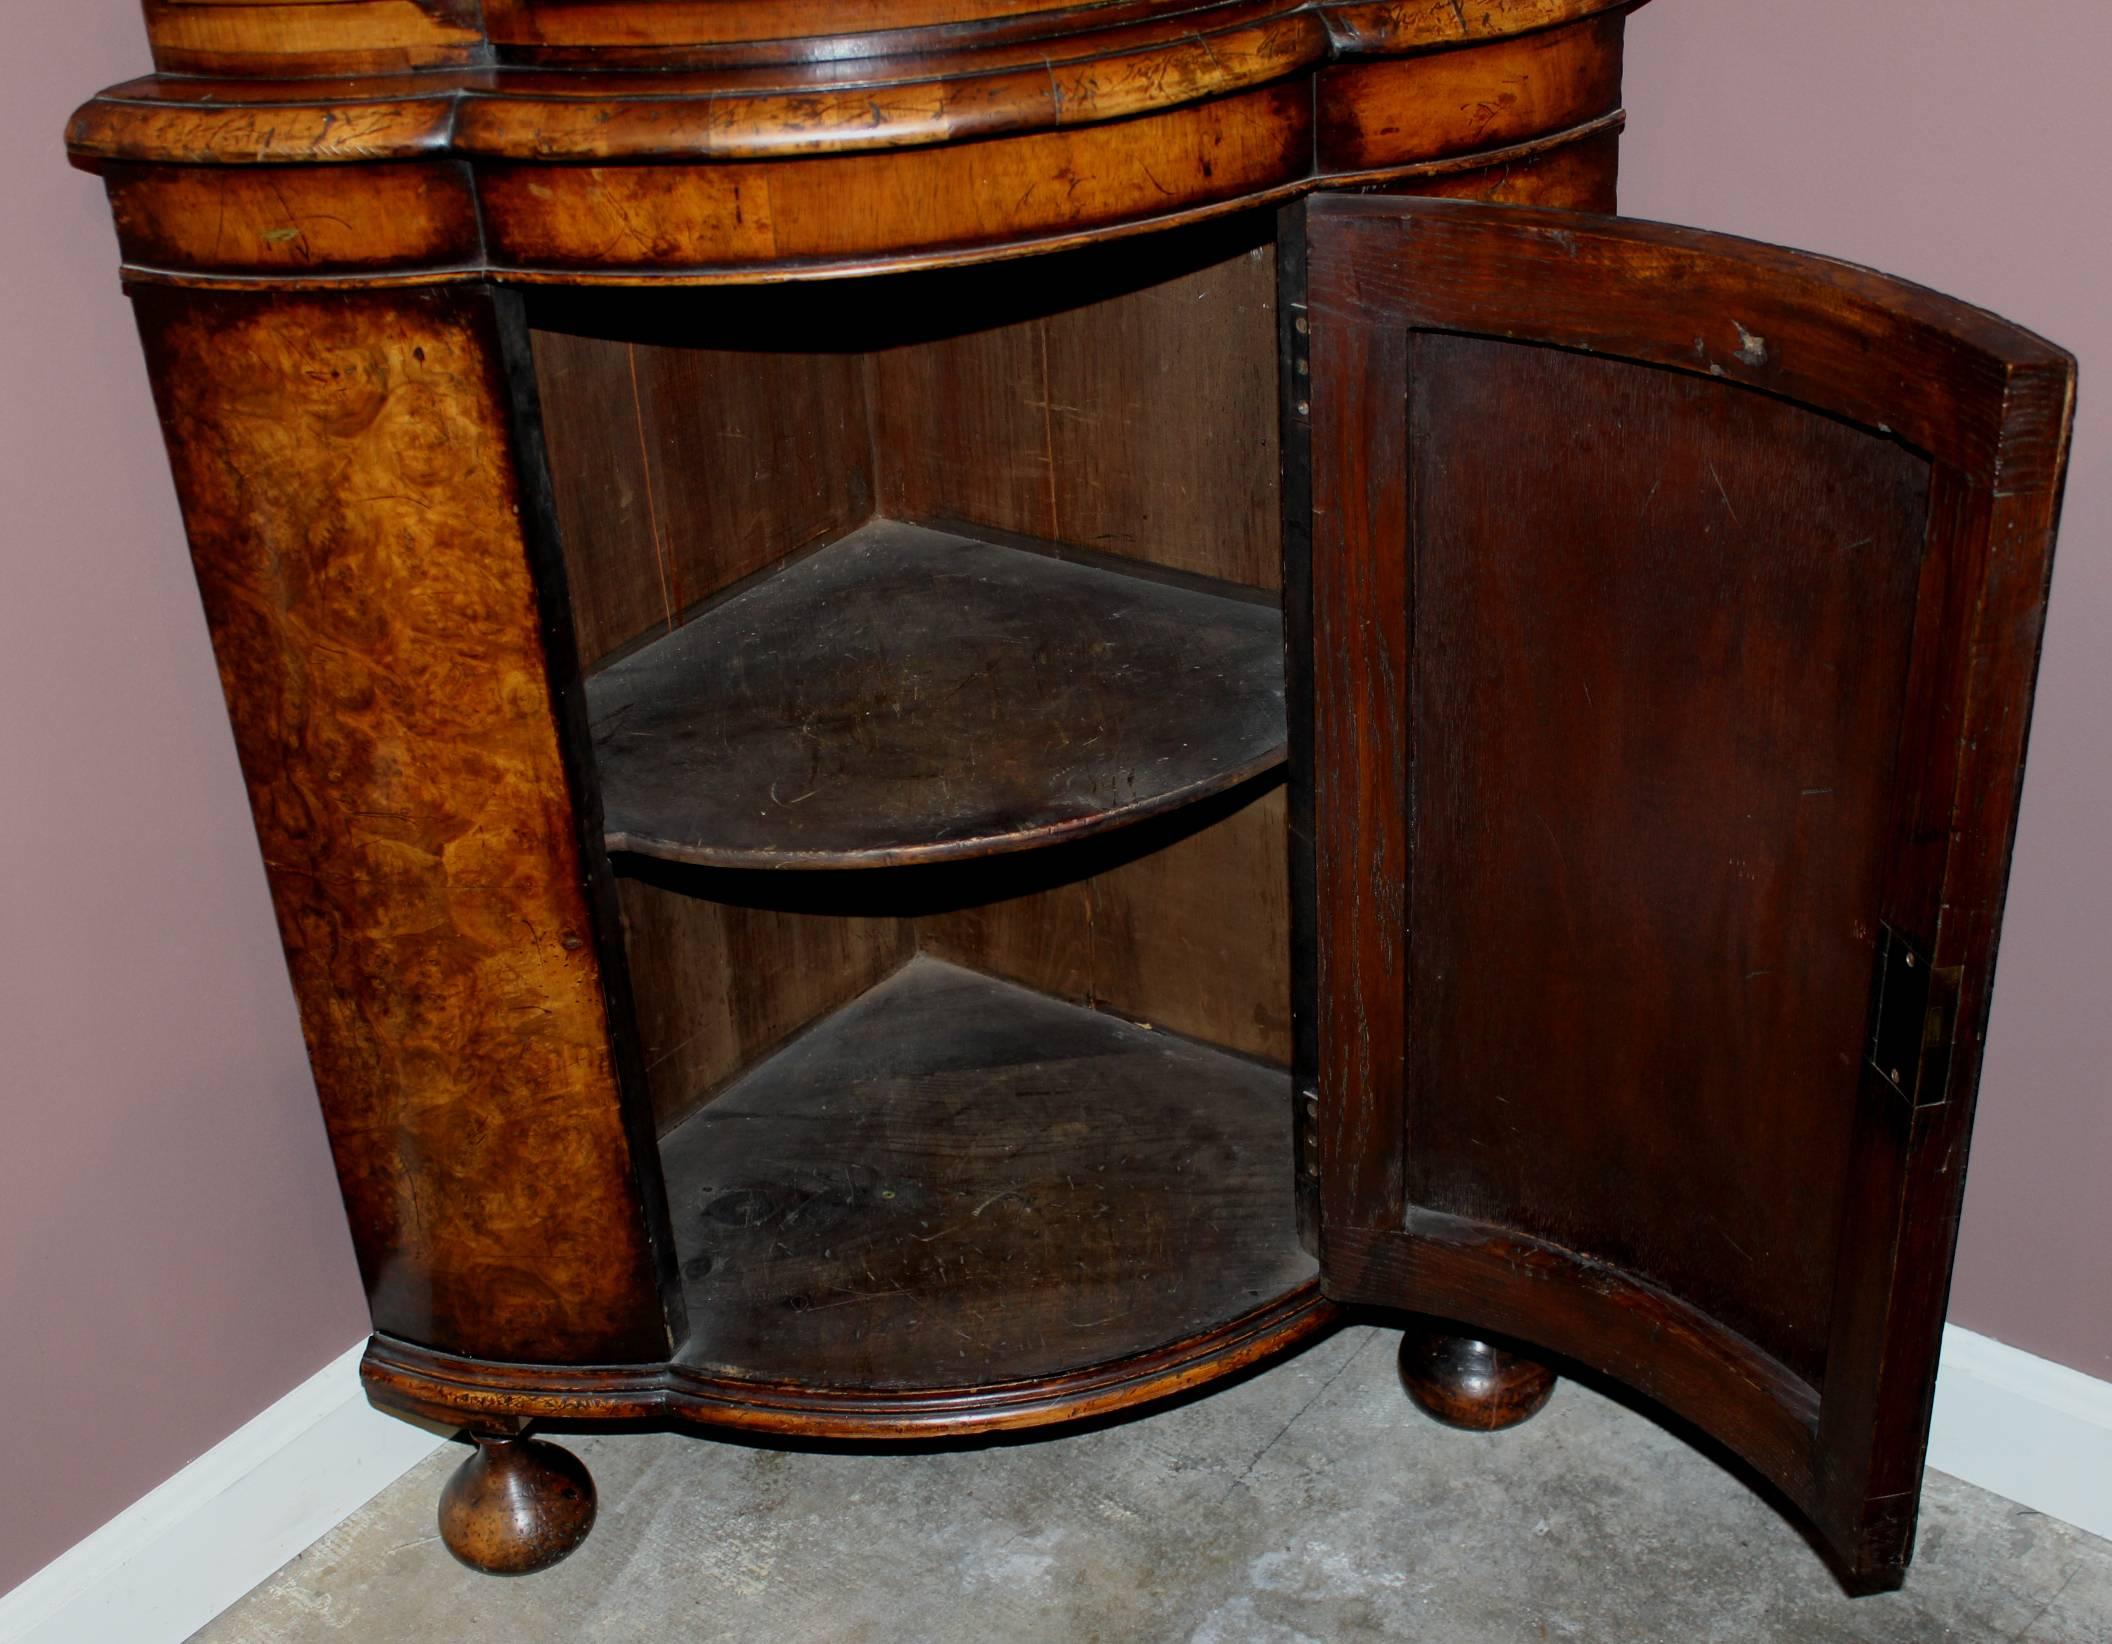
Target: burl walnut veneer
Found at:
x=964, y=711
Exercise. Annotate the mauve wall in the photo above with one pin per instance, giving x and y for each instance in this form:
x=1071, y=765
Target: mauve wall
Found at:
x=172, y=1251
x=1967, y=145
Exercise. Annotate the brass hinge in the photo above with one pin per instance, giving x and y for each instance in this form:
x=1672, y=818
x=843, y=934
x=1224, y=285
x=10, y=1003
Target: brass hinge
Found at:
x=1913, y=1017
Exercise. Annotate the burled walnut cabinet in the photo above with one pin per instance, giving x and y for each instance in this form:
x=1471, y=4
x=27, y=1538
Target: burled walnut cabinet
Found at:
x=964, y=710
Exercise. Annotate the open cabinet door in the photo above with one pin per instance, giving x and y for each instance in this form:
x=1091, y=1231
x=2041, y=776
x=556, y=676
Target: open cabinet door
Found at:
x=1675, y=605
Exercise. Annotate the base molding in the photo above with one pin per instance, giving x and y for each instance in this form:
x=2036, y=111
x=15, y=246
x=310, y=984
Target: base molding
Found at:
x=2024, y=1427
x=2021, y=1426
x=190, y=1547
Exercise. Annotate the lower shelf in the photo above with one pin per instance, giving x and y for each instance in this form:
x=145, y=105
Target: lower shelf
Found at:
x=959, y=1204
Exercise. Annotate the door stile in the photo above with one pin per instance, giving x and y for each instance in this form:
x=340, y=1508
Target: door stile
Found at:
x=1361, y=625
x=1979, y=618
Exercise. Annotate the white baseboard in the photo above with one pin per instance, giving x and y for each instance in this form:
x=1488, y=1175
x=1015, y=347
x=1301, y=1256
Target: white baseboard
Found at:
x=2023, y=1427
x=184, y=1552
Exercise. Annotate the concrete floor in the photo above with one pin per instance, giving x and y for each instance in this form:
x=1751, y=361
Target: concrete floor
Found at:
x=1310, y=1502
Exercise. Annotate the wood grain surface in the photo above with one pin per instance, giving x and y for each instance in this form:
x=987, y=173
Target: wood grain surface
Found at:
x=954, y=1183
x=880, y=146
x=1652, y=708
x=299, y=37
x=1060, y=401
x=350, y=489
x=1186, y=928
x=258, y=38
x=908, y=696
x=1679, y=675
x=681, y=464
x=722, y=984
x=488, y=1395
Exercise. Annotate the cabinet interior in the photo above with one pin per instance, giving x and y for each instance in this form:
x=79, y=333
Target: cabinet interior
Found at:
x=939, y=1004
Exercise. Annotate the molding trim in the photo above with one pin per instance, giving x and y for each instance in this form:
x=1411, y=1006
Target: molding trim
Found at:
x=189, y=1548
x=2024, y=1427
x=2005, y=1420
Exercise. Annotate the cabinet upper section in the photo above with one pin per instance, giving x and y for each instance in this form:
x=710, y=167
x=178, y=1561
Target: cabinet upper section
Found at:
x=345, y=141
x=288, y=38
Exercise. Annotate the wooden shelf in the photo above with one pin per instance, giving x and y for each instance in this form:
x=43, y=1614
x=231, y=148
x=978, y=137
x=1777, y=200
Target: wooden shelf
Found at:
x=905, y=696
x=954, y=1183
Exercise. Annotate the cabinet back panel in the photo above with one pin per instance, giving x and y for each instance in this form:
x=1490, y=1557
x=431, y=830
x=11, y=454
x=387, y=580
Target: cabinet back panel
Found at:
x=1137, y=419
x=1654, y=708
x=719, y=986
x=1193, y=936
x=680, y=469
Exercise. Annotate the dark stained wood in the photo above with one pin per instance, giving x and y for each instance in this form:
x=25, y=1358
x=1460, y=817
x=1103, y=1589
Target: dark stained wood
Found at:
x=1525, y=1289
x=907, y=696
x=1169, y=946
x=1357, y=656
x=1958, y=383
x=516, y=1505
x=681, y=468
x=1652, y=707
x=1636, y=693
x=353, y=502
x=962, y=425
x=1463, y=1381
x=1154, y=936
x=721, y=984
x=1138, y=465
x=444, y=1388
x=1078, y=423
x=954, y=1183
x=1294, y=388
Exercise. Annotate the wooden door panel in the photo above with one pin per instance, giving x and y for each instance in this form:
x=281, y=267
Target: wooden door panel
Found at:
x=1674, y=604
x=1657, y=663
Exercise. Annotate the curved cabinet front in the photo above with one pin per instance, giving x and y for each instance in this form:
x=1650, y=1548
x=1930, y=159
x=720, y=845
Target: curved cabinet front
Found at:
x=969, y=148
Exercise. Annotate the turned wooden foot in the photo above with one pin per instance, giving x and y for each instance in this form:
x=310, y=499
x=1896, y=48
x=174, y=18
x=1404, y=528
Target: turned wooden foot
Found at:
x=516, y=1506
x=1473, y=1384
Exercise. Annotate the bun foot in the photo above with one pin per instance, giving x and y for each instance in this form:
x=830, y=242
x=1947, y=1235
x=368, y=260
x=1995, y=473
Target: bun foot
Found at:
x=516, y=1506
x=1474, y=1384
